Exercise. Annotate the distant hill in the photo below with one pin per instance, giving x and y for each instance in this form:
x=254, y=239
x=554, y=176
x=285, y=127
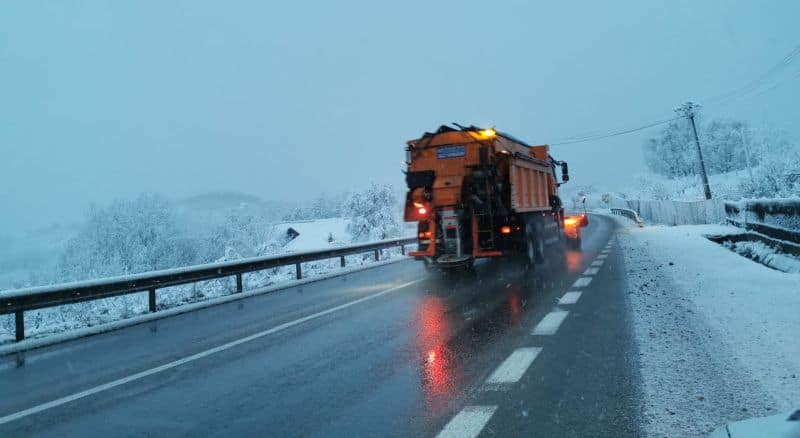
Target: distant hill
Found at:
x=35, y=251
x=220, y=204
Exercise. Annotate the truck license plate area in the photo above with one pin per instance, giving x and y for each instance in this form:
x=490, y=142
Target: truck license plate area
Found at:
x=444, y=152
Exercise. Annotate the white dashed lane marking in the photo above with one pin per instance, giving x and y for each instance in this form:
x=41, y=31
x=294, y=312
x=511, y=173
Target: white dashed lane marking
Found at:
x=591, y=271
x=581, y=282
x=468, y=423
x=570, y=298
x=602, y=256
x=513, y=368
x=550, y=323
x=598, y=263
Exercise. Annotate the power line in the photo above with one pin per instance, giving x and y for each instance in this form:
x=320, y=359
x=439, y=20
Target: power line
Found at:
x=616, y=133
x=779, y=83
x=754, y=84
x=749, y=87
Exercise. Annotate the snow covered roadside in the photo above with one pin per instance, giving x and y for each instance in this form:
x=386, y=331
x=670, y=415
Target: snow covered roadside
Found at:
x=55, y=324
x=717, y=332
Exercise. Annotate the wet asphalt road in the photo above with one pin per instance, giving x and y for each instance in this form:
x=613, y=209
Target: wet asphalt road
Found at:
x=404, y=362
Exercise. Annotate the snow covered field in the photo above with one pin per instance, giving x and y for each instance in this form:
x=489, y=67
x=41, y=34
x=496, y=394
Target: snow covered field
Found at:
x=717, y=332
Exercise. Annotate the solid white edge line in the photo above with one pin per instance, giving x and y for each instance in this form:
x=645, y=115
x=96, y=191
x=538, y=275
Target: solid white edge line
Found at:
x=591, y=271
x=581, y=282
x=468, y=423
x=194, y=357
x=550, y=323
x=571, y=297
x=513, y=368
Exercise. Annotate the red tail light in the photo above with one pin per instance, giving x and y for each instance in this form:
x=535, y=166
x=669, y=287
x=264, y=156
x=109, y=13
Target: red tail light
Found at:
x=420, y=210
x=505, y=230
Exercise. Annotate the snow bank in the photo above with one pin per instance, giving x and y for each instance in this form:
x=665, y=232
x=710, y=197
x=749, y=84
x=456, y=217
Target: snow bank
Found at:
x=717, y=332
x=765, y=254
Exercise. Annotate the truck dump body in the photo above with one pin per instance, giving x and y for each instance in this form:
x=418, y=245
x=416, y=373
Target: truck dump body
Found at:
x=472, y=191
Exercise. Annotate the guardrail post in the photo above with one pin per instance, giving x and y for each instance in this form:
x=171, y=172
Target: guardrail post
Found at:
x=151, y=298
x=403, y=249
x=238, y=282
x=377, y=255
x=19, y=319
x=341, y=261
x=299, y=271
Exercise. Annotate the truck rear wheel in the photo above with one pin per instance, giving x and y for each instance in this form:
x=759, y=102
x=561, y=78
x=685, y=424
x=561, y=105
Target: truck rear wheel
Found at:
x=533, y=251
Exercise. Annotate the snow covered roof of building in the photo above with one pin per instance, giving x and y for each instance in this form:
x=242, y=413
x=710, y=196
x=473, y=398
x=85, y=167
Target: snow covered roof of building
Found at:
x=315, y=234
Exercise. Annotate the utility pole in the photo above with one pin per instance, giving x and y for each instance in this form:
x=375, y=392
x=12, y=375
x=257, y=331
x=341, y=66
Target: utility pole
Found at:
x=687, y=110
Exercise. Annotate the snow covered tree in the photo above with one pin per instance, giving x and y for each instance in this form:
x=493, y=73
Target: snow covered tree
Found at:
x=327, y=206
x=778, y=176
x=672, y=153
x=323, y=207
x=124, y=238
x=373, y=214
x=241, y=236
x=723, y=144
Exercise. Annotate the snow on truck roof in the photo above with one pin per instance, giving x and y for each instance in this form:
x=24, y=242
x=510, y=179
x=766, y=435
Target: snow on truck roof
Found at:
x=444, y=128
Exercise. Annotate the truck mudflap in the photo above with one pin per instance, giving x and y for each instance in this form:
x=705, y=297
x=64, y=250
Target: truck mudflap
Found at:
x=422, y=254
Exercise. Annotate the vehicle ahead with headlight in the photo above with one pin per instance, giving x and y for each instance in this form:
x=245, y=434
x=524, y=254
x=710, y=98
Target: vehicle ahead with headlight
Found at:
x=481, y=193
x=572, y=229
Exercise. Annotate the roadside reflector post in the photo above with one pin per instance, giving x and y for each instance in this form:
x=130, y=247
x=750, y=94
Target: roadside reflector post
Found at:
x=341, y=261
x=238, y=282
x=299, y=270
x=403, y=249
x=377, y=255
x=19, y=319
x=151, y=298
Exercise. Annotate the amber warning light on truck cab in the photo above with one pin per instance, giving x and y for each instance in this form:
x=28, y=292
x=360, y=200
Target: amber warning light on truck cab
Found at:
x=488, y=133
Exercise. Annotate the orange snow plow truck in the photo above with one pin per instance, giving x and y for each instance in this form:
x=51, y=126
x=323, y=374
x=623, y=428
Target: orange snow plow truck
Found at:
x=480, y=193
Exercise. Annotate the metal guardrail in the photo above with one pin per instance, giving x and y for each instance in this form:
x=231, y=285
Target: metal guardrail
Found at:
x=751, y=216
x=630, y=214
x=19, y=301
x=774, y=233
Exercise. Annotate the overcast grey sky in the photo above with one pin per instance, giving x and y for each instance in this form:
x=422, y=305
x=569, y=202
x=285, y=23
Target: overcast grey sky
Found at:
x=284, y=100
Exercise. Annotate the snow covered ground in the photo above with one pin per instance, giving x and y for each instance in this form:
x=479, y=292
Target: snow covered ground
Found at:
x=717, y=332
